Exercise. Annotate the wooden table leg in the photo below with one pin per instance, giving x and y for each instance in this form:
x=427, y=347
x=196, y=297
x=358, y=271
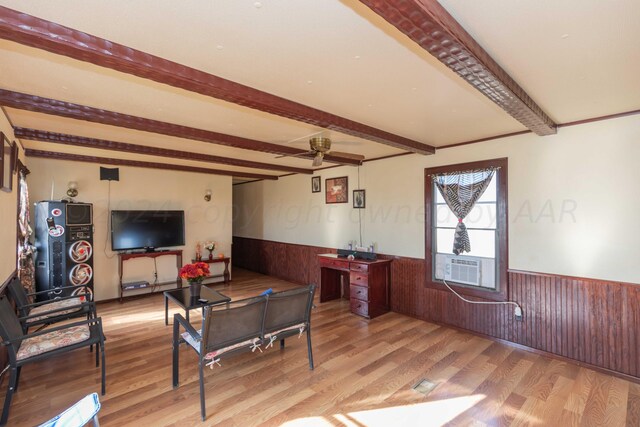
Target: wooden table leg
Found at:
x=179, y=266
x=226, y=271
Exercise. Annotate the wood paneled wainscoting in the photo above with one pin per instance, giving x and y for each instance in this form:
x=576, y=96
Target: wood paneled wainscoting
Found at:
x=4, y=357
x=593, y=322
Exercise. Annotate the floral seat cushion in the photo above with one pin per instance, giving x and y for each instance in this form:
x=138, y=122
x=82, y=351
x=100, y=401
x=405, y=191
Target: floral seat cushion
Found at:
x=253, y=343
x=300, y=326
x=56, y=304
x=53, y=340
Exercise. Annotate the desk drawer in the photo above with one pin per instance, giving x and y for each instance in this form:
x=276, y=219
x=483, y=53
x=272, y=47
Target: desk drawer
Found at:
x=358, y=279
x=359, y=292
x=359, y=307
x=363, y=268
x=337, y=264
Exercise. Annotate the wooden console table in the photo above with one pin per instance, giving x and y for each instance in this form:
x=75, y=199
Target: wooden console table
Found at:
x=225, y=274
x=122, y=257
x=369, y=283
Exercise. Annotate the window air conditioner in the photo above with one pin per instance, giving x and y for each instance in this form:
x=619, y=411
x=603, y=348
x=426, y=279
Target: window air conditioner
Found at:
x=460, y=270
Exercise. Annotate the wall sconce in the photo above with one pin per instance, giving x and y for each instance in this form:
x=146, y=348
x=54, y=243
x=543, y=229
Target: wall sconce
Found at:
x=72, y=189
x=207, y=196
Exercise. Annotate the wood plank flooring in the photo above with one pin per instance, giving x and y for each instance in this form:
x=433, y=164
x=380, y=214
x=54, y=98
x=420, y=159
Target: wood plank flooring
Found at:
x=363, y=377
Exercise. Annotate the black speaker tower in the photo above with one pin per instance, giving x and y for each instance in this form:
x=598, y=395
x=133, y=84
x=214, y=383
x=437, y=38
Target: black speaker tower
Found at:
x=64, y=243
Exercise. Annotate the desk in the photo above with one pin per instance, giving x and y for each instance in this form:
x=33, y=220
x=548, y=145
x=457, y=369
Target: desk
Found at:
x=183, y=298
x=368, y=283
x=122, y=257
x=226, y=261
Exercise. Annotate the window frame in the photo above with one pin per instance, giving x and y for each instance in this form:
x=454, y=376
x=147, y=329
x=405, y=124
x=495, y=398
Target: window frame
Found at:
x=502, y=249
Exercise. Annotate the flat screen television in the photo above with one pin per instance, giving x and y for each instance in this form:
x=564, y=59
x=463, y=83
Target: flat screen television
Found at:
x=146, y=229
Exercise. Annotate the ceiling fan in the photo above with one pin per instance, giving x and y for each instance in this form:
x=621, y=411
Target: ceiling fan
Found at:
x=321, y=146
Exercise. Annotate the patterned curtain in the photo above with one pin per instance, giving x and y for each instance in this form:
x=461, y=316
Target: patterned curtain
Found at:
x=26, y=267
x=460, y=191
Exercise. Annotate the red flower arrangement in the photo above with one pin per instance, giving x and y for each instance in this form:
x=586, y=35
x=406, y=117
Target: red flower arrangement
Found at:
x=195, y=272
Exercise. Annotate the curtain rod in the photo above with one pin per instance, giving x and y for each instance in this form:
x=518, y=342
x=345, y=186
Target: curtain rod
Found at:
x=490, y=169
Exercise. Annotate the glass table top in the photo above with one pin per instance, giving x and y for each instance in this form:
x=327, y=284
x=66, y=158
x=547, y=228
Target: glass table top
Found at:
x=183, y=297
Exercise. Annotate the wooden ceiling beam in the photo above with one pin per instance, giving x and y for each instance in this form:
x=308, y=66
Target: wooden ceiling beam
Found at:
x=138, y=164
x=102, y=144
x=35, y=32
x=428, y=23
x=23, y=101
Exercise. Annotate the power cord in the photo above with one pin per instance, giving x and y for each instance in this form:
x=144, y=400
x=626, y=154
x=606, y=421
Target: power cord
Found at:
x=517, y=312
x=155, y=275
x=106, y=238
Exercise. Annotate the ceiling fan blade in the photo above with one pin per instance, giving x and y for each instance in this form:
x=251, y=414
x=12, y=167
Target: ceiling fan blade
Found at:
x=308, y=153
x=317, y=160
x=349, y=155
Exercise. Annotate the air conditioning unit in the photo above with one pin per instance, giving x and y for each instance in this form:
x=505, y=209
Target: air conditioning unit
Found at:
x=463, y=270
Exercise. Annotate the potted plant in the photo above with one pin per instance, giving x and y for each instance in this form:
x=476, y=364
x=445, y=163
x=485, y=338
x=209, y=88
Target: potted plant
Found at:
x=195, y=274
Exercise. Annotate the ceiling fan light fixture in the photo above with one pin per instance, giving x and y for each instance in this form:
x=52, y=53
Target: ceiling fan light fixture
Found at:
x=317, y=160
x=320, y=144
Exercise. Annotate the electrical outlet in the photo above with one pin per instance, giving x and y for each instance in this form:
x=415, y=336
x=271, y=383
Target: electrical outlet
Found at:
x=518, y=313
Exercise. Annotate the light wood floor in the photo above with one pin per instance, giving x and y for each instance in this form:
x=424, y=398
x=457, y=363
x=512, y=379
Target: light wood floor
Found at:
x=363, y=377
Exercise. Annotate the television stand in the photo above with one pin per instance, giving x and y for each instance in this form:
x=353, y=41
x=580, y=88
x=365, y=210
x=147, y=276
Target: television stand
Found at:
x=122, y=257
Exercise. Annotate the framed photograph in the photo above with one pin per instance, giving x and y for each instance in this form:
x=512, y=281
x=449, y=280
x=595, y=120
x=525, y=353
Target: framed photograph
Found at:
x=336, y=190
x=359, y=199
x=14, y=157
x=6, y=165
x=315, y=184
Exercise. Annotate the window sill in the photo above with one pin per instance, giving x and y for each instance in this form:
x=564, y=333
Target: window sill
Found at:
x=467, y=291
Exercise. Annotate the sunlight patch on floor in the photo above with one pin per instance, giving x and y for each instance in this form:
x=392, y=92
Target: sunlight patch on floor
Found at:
x=433, y=414
x=138, y=318
x=308, y=422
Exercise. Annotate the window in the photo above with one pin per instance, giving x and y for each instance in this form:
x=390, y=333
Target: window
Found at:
x=481, y=272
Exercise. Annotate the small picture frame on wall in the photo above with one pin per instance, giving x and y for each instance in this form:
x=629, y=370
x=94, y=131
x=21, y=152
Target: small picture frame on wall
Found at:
x=315, y=184
x=336, y=190
x=359, y=199
x=7, y=156
x=14, y=157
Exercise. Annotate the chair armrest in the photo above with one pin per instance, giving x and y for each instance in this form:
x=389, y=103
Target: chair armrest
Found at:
x=179, y=320
x=97, y=320
x=32, y=294
x=44, y=313
x=39, y=303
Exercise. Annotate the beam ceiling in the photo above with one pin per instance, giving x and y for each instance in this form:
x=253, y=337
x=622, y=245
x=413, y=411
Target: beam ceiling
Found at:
x=81, y=141
x=38, y=33
x=428, y=24
x=139, y=164
x=39, y=104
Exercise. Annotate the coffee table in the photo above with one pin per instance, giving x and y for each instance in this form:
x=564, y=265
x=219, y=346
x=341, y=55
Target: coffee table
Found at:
x=182, y=297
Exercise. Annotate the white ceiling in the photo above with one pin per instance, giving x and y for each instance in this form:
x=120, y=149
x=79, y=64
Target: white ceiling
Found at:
x=576, y=58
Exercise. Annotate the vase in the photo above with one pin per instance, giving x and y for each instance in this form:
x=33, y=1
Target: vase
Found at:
x=194, y=288
x=210, y=255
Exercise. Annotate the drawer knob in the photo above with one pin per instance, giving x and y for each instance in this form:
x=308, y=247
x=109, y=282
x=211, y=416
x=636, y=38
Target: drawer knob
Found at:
x=359, y=292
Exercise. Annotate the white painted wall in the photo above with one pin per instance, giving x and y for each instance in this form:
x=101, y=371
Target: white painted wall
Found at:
x=8, y=218
x=573, y=202
x=140, y=189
